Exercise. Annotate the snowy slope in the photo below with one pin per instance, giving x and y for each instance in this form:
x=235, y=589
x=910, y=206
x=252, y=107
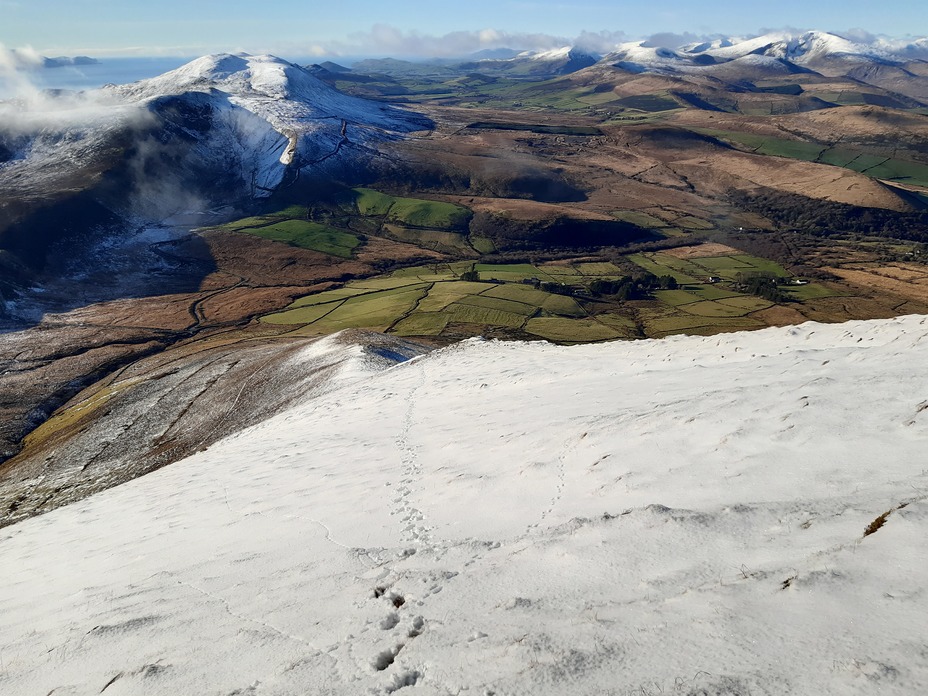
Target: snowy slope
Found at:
x=634, y=56
x=683, y=516
x=558, y=61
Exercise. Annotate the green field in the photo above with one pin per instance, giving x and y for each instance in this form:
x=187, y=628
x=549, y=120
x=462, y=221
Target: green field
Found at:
x=512, y=272
x=410, y=212
x=677, y=298
x=708, y=300
x=711, y=292
x=376, y=311
x=291, y=226
x=428, y=300
x=437, y=240
x=748, y=303
x=873, y=165
x=565, y=306
x=328, y=297
x=486, y=316
x=572, y=330
x=598, y=269
x=482, y=245
x=370, y=202
x=697, y=270
x=659, y=323
x=310, y=235
x=688, y=222
x=306, y=235
x=648, y=102
x=648, y=263
x=496, y=303
x=639, y=219
x=422, y=324
x=725, y=266
x=811, y=291
x=517, y=292
x=445, y=294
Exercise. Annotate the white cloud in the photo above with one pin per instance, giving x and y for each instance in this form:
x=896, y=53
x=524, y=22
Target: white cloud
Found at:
x=600, y=41
x=384, y=39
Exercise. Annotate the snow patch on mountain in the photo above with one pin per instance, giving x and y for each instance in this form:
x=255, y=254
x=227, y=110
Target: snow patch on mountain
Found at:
x=555, y=54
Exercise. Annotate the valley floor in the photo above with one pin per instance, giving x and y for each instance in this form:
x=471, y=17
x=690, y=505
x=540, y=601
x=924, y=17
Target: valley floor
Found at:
x=738, y=514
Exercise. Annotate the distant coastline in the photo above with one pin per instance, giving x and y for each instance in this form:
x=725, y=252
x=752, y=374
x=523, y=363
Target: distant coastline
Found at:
x=95, y=72
x=62, y=61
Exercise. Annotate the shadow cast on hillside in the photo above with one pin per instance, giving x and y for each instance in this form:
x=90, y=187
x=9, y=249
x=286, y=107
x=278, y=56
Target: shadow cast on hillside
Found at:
x=116, y=264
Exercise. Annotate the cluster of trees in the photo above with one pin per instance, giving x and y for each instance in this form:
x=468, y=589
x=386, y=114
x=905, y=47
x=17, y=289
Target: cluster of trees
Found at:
x=826, y=218
x=556, y=288
x=762, y=284
x=635, y=287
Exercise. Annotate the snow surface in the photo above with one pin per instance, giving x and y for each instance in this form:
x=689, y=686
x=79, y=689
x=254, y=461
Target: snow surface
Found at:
x=680, y=516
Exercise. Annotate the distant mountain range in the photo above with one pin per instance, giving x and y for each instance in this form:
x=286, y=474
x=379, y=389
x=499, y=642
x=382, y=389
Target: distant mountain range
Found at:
x=817, y=51
x=29, y=60
x=63, y=61
x=813, y=50
x=508, y=62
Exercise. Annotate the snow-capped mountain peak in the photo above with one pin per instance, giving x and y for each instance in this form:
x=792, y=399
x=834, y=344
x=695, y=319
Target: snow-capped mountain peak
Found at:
x=799, y=48
x=276, y=113
x=254, y=82
x=233, y=73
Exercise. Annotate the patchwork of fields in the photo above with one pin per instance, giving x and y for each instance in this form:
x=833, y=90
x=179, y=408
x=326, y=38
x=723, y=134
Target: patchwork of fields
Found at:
x=549, y=300
x=429, y=224
x=434, y=301
x=555, y=300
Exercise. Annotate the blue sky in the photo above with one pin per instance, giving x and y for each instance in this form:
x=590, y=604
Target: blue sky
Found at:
x=304, y=27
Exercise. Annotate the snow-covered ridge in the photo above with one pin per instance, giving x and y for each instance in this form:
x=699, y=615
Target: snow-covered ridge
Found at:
x=311, y=118
x=804, y=49
x=801, y=48
x=271, y=87
x=743, y=513
x=562, y=53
